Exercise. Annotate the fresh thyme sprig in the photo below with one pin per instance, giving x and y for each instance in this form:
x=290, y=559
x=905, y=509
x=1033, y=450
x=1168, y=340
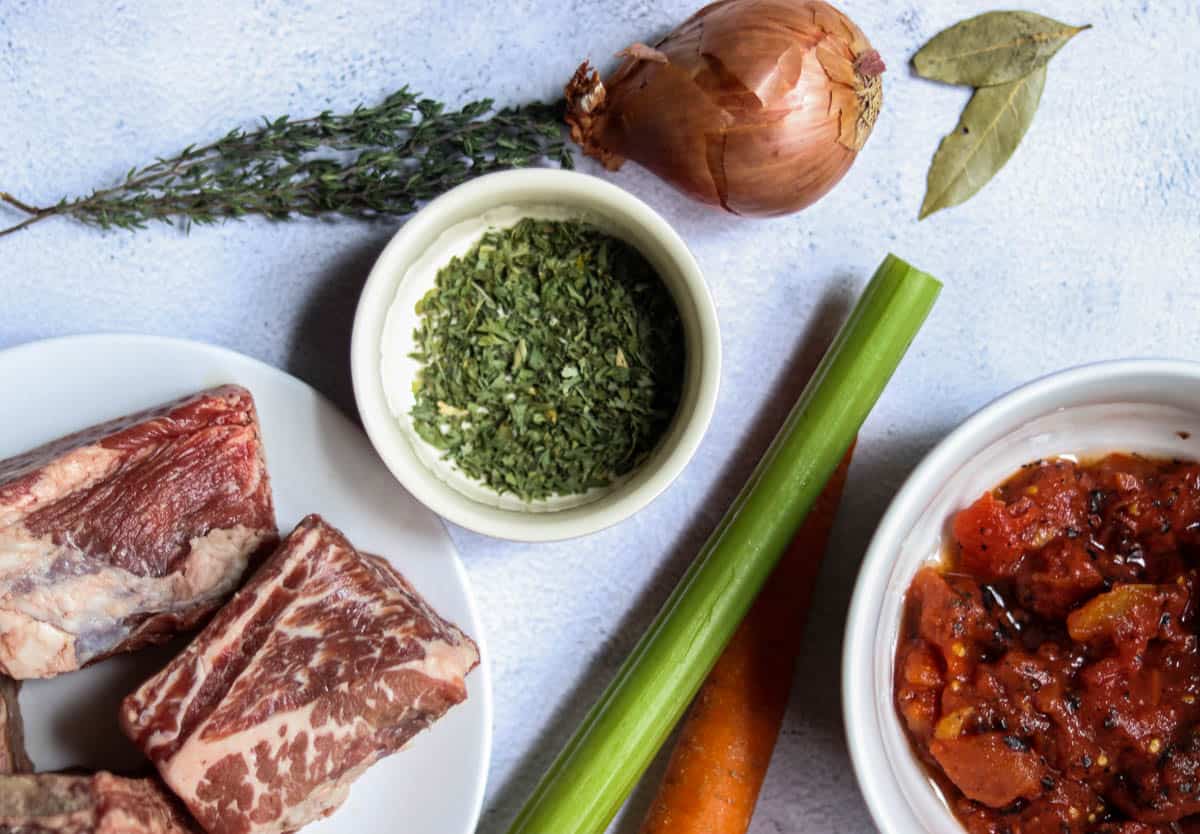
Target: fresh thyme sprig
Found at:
x=372, y=162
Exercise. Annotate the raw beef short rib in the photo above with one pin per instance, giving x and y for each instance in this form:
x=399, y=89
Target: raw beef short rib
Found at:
x=119, y=535
x=12, y=732
x=52, y=803
x=325, y=662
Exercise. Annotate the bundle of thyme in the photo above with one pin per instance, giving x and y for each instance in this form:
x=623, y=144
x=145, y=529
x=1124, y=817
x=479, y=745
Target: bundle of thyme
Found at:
x=372, y=162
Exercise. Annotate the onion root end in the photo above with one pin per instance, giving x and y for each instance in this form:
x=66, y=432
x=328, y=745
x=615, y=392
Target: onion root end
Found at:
x=586, y=99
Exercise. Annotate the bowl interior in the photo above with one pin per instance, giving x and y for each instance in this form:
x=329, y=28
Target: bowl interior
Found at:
x=1151, y=408
x=452, y=224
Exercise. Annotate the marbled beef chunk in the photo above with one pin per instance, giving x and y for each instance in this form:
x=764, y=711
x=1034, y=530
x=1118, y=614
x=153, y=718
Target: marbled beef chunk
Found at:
x=100, y=803
x=325, y=662
x=119, y=535
x=12, y=732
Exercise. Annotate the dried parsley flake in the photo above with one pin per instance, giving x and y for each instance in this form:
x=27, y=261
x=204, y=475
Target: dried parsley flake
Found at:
x=552, y=358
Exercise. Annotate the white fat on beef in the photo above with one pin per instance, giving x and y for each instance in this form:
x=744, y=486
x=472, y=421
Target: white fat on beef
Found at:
x=62, y=609
x=326, y=661
x=123, y=533
x=75, y=470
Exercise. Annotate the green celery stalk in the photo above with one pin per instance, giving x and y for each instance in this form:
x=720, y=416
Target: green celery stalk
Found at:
x=594, y=774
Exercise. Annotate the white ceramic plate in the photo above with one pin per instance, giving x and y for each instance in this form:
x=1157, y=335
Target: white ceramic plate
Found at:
x=319, y=462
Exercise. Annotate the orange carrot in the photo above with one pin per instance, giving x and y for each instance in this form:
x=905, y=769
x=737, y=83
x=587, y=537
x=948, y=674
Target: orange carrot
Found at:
x=728, y=735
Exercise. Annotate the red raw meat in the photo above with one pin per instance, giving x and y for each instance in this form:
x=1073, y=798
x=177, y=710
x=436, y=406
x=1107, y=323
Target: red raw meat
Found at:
x=325, y=662
x=119, y=535
x=52, y=803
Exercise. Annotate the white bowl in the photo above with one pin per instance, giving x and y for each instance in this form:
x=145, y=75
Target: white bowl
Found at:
x=448, y=226
x=1149, y=406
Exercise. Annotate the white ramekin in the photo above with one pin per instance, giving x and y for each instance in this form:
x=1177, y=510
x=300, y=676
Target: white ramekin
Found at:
x=619, y=213
x=1148, y=405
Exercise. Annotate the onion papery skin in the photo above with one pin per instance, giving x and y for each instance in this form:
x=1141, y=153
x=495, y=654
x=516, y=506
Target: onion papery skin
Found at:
x=756, y=106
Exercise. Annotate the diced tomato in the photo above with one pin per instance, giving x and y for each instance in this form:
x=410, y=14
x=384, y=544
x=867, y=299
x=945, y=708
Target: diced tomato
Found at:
x=919, y=708
x=1127, y=616
x=1179, y=496
x=952, y=619
x=1056, y=579
x=990, y=538
x=918, y=688
x=1049, y=673
x=921, y=667
x=990, y=768
x=1061, y=499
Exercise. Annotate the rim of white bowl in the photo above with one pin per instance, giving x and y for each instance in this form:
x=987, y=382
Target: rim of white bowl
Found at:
x=862, y=710
x=701, y=330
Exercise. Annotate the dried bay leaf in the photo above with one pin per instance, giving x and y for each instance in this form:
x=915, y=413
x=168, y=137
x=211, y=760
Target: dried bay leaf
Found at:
x=989, y=130
x=993, y=48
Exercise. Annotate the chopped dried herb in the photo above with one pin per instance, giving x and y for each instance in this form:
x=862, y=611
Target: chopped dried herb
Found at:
x=552, y=359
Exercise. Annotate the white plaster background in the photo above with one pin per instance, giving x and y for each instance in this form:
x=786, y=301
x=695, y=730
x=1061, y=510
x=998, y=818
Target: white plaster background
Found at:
x=1085, y=247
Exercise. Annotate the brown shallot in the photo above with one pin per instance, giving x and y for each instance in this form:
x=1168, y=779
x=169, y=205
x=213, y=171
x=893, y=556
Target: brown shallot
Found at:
x=756, y=106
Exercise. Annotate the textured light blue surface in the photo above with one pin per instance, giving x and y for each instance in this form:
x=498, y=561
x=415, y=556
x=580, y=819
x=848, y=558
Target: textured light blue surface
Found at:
x=1085, y=247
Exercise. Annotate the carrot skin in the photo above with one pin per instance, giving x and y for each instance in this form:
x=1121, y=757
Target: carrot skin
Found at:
x=727, y=738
